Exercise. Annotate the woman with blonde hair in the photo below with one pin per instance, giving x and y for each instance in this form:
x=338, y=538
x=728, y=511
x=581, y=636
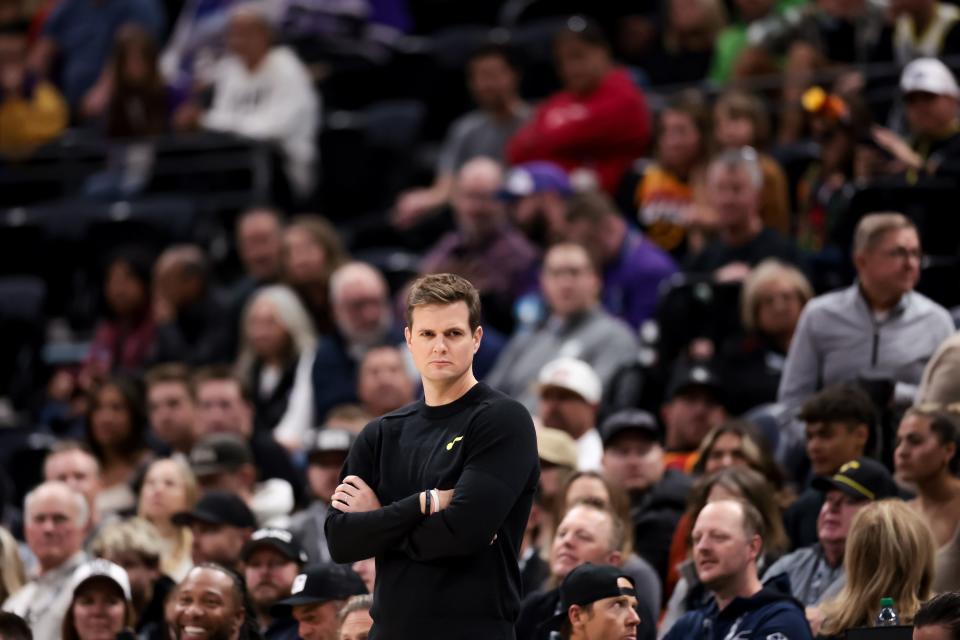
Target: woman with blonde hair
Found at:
x=169, y=486
x=12, y=575
x=750, y=365
x=276, y=360
x=890, y=554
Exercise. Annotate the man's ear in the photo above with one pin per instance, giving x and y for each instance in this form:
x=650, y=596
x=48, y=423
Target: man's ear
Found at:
x=756, y=546
x=615, y=558
x=407, y=335
x=576, y=615
x=477, y=337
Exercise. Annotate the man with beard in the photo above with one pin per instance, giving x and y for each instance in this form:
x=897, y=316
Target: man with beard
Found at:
x=359, y=298
x=537, y=194
x=727, y=540
x=208, y=604
x=383, y=384
x=569, y=399
x=272, y=559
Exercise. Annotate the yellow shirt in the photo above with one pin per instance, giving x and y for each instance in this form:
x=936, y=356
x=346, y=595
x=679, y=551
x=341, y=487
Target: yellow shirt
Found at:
x=28, y=122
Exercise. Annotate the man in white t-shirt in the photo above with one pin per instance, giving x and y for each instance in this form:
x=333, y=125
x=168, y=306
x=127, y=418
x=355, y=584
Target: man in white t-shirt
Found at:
x=264, y=92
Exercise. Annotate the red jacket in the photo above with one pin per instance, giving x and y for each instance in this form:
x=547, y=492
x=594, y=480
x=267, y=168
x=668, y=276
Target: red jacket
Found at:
x=604, y=131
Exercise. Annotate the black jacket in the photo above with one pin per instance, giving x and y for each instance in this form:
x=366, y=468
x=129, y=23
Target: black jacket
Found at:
x=655, y=514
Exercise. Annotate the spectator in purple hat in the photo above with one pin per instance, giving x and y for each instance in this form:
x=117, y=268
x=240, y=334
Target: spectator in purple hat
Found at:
x=537, y=193
x=633, y=268
x=493, y=78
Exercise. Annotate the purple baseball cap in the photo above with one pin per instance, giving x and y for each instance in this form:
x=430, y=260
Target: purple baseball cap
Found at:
x=535, y=177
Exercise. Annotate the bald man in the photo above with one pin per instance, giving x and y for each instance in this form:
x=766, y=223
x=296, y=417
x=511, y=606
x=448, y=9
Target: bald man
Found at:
x=485, y=248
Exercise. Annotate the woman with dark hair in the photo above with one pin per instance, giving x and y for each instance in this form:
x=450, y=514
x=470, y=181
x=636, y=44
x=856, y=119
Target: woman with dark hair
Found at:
x=124, y=337
x=312, y=251
x=101, y=607
x=139, y=104
x=116, y=432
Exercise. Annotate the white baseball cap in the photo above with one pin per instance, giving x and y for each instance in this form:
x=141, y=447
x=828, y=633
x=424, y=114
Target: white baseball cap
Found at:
x=929, y=75
x=574, y=375
x=100, y=568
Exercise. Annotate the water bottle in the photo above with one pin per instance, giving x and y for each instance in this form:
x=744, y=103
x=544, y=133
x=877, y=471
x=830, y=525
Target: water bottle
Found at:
x=888, y=615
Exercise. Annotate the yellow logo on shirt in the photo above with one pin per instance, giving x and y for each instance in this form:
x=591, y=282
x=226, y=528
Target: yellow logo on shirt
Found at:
x=453, y=442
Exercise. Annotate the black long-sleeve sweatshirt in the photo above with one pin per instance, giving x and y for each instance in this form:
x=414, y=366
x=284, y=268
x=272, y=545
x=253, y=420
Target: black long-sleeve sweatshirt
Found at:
x=453, y=574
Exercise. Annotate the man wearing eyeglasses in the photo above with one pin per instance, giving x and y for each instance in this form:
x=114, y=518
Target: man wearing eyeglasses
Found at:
x=878, y=331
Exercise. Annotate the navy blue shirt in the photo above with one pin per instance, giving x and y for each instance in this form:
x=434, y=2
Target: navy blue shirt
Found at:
x=84, y=32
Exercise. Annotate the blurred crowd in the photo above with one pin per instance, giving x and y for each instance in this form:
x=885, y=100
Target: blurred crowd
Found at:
x=717, y=255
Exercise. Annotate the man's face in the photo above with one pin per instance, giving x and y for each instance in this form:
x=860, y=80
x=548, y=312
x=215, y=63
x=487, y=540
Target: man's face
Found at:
x=77, y=469
x=356, y=626
x=566, y=410
x=222, y=409
x=478, y=211
x=51, y=528
x=492, y=82
x=929, y=114
x=570, y=285
x=721, y=549
x=317, y=621
x=541, y=217
x=383, y=383
x=733, y=195
x=611, y=618
x=581, y=66
x=269, y=576
x=323, y=473
x=172, y=413
x=831, y=444
x=836, y=514
x=362, y=311
x=441, y=342
x=690, y=416
x=260, y=245
x=206, y=607
x=248, y=38
x=919, y=453
x=891, y=267
x=633, y=461
x=218, y=543
x=584, y=535
x=678, y=145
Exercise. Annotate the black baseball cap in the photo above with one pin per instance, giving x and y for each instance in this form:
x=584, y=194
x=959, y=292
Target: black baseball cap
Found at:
x=322, y=583
x=687, y=375
x=863, y=479
x=629, y=420
x=588, y=583
x=218, y=507
x=279, y=539
x=219, y=453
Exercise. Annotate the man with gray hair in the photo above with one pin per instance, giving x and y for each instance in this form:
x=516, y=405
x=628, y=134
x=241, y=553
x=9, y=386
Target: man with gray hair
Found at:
x=359, y=299
x=55, y=519
x=878, y=331
x=734, y=184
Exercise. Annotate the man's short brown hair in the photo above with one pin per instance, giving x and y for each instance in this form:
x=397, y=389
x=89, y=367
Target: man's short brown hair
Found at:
x=444, y=288
x=220, y=373
x=171, y=372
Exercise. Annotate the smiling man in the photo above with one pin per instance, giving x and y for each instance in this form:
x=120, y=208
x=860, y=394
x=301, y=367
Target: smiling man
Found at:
x=597, y=603
x=440, y=491
x=208, y=606
x=727, y=540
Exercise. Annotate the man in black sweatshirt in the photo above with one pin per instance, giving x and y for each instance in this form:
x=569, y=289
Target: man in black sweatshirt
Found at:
x=439, y=491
